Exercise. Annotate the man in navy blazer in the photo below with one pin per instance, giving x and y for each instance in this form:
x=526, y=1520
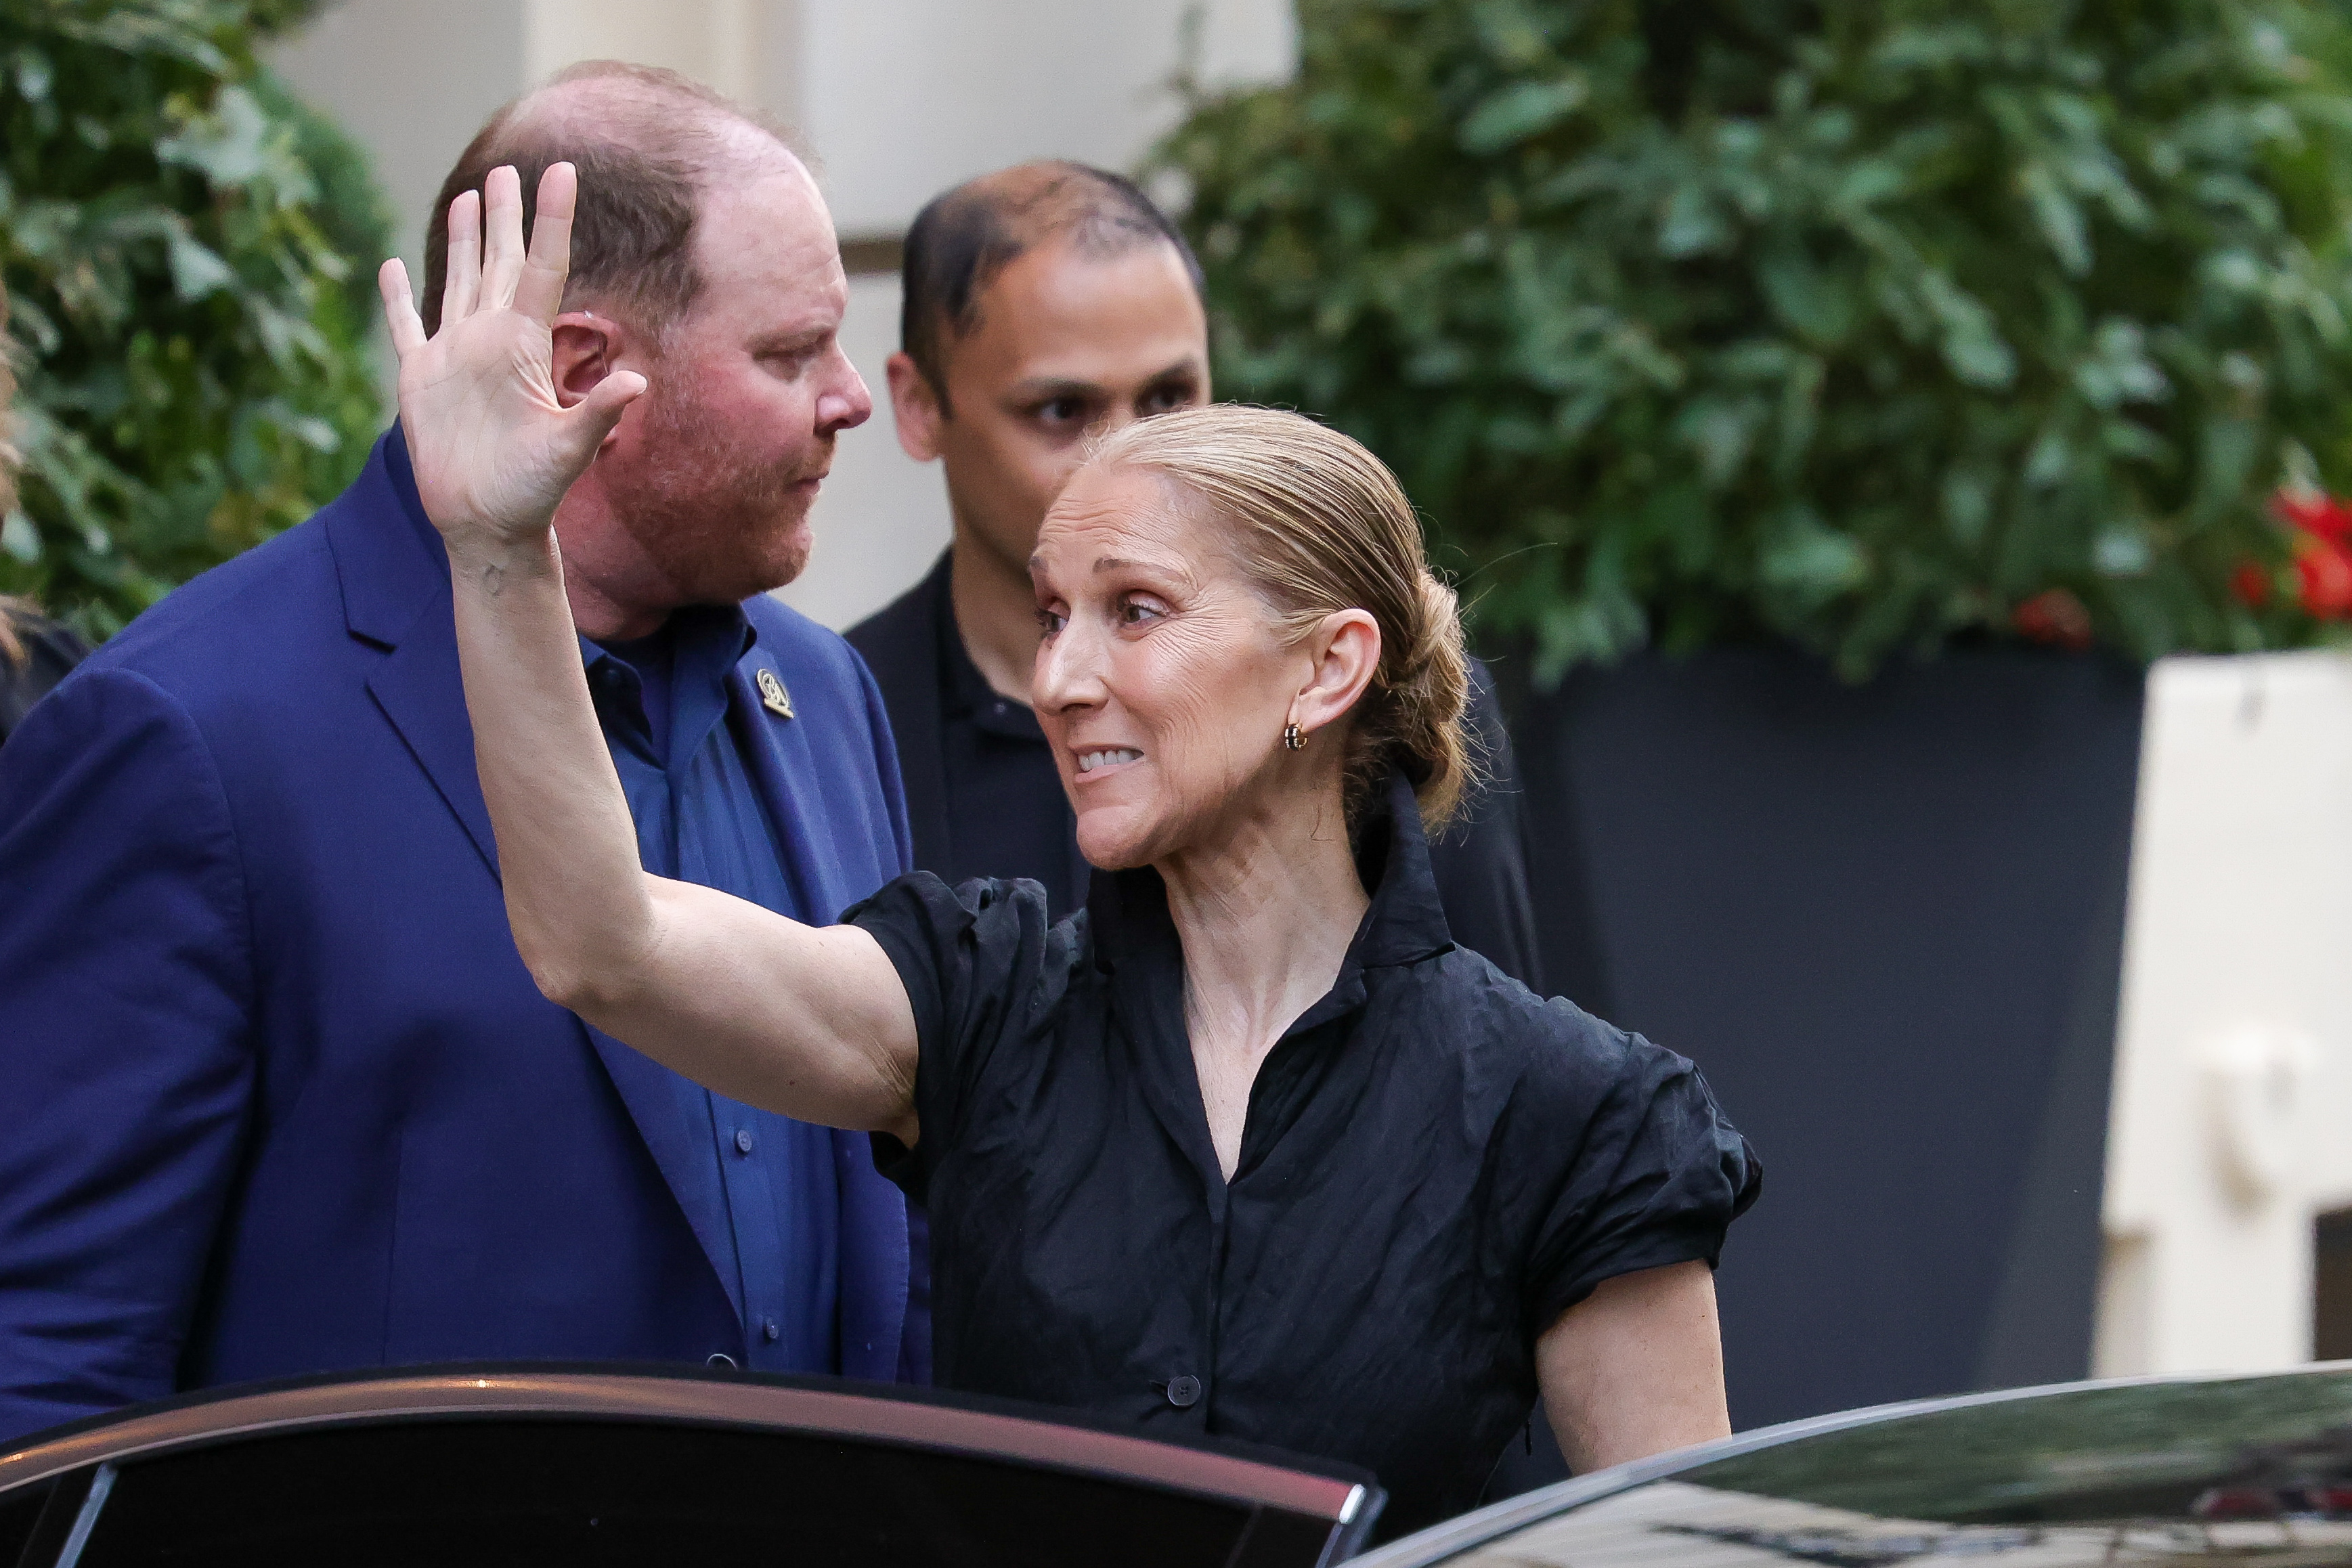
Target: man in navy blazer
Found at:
x=276, y=1094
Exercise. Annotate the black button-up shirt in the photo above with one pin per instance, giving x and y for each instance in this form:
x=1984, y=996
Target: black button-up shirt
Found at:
x=1434, y=1166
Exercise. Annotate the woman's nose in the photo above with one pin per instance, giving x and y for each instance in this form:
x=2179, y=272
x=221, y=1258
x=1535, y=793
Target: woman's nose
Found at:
x=1068, y=673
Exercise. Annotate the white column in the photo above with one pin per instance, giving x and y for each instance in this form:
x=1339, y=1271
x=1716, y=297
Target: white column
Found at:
x=2233, y=1073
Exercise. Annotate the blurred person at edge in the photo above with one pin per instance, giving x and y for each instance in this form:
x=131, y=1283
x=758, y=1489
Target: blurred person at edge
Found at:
x=1246, y=1148
x=279, y=1096
x=36, y=652
x=1042, y=305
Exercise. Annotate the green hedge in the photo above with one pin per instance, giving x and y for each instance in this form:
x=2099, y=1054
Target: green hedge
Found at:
x=188, y=253
x=1864, y=325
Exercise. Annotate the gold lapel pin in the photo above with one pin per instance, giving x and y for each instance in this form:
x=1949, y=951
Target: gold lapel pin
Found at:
x=773, y=695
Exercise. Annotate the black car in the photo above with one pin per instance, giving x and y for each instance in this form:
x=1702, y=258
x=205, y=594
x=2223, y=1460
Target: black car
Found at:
x=532, y=1466
x=2177, y=1472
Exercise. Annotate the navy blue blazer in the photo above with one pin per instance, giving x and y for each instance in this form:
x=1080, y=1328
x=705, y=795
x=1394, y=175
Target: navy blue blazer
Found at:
x=276, y=1094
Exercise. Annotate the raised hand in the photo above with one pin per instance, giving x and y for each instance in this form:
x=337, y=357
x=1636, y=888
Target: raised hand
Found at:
x=493, y=447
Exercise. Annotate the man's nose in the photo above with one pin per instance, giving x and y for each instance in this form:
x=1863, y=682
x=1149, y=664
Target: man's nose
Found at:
x=844, y=403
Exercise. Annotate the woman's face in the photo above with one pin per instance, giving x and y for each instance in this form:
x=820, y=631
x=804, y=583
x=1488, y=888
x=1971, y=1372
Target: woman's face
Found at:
x=1163, y=681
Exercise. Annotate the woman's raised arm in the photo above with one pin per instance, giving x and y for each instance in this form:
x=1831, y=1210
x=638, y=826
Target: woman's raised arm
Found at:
x=812, y=1022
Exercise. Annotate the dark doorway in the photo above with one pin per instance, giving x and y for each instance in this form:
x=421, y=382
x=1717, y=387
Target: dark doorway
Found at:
x=2331, y=1287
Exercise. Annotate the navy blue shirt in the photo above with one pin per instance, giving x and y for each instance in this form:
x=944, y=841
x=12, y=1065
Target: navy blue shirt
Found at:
x=664, y=704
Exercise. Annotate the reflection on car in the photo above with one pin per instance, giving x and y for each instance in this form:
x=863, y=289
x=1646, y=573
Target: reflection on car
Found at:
x=2246, y=1472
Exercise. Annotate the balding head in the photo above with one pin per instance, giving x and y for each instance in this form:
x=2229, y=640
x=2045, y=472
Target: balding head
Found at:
x=647, y=143
x=963, y=238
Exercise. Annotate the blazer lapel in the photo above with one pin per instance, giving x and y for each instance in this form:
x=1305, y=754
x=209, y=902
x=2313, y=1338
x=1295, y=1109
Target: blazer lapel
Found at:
x=420, y=691
x=395, y=581
x=665, y=1107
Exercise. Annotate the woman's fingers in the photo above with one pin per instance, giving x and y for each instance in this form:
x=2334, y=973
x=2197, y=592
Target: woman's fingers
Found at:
x=540, y=294
x=399, y=319
x=462, y=283
x=501, y=236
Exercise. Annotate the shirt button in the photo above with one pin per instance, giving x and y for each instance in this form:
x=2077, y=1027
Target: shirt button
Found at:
x=742, y=1139
x=769, y=1331
x=720, y=1362
x=1184, y=1391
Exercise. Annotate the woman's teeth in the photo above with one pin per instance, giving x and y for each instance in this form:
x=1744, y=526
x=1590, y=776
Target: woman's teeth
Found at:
x=1089, y=761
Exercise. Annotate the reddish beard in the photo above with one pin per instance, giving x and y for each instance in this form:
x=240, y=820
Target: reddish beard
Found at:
x=721, y=520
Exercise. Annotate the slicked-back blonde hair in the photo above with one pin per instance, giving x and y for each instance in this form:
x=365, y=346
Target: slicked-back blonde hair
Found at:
x=1319, y=525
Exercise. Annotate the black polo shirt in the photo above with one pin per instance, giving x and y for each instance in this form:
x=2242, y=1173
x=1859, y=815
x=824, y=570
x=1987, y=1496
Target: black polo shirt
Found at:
x=1435, y=1164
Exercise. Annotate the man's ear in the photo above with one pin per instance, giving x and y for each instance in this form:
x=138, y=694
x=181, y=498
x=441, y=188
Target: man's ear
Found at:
x=914, y=408
x=1346, y=649
x=588, y=347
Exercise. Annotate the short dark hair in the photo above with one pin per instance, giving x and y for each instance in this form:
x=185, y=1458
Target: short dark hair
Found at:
x=641, y=180
x=963, y=238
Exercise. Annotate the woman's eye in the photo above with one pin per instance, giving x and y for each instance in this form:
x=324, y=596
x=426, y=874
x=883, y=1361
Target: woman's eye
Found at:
x=1048, y=623
x=1136, y=612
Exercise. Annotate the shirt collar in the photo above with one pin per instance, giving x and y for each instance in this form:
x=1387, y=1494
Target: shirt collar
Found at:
x=707, y=642
x=1404, y=923
x=964, y=692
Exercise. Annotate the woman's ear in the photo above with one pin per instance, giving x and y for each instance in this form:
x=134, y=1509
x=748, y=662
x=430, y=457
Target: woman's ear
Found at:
x=1345, y=648
x=587, y=348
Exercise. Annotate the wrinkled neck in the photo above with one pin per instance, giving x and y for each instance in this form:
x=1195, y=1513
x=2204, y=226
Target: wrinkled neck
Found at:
x=1264, y=919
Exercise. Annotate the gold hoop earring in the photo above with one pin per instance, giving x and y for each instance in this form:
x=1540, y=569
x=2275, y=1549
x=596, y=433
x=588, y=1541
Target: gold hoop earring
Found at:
x=1292, y=740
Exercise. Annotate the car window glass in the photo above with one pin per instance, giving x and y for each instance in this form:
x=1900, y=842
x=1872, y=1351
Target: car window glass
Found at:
x=455, y=1492
x=2246, y=1473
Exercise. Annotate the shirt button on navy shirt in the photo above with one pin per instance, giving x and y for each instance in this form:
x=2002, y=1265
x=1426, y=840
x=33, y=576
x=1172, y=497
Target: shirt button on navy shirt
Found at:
x=678, y=732
x=1183, y=1392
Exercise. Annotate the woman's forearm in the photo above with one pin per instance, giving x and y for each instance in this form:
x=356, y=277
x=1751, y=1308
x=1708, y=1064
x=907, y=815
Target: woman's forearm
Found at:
x=811, y=1022
x=575, y=890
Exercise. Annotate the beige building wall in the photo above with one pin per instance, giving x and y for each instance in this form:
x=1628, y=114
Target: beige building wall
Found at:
x=2234, y=1067
x=897, y=99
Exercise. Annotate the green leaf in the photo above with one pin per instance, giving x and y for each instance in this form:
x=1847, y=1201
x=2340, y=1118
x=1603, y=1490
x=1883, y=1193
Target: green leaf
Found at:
x=1522, y=110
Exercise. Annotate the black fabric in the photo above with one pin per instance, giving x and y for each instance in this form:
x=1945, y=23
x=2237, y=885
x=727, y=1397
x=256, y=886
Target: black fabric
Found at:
x=50, y=653
x=1434, y=1167
x=963, y=761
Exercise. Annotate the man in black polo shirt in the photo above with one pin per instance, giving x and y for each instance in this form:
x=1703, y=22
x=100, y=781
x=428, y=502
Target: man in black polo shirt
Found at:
x=1044, y=303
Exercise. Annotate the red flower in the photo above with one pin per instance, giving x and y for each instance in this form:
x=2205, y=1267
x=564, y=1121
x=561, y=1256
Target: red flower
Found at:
x=2323, y=569
x=2252, y=582
x=2057, y=617
x=2313, y=512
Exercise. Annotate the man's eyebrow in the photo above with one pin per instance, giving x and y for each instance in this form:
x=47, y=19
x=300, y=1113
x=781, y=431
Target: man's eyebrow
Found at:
x=789, y=339
x=1039, y=388
x=1189, y=366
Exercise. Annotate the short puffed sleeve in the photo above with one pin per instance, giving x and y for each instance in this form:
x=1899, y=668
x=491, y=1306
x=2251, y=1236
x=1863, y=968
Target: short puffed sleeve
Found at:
x=978, y=961
x=1636, y=1166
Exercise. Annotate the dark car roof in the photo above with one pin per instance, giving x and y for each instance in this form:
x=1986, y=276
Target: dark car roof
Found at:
x=2250, y=1470
x=826, y=1407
